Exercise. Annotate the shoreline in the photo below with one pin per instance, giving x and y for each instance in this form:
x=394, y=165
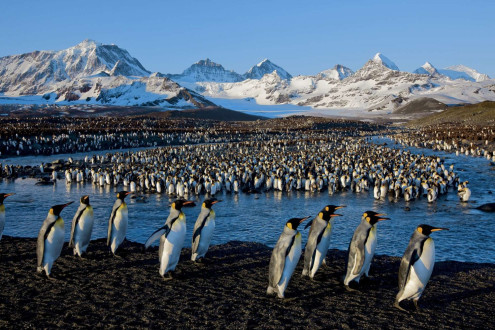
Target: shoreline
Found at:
x=228, y=290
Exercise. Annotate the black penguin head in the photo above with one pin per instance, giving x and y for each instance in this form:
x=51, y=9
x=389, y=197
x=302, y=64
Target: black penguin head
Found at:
x=178, y=204
x=55, y=210
x=329, y=211
x=295, y=222
x=122, y=194
x=85, y=200
x=208, y=203
x=427, y=229
x=373, y=217
x=3, y=196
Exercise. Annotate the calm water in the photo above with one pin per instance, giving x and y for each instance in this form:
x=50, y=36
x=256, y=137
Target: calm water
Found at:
x=260, y=218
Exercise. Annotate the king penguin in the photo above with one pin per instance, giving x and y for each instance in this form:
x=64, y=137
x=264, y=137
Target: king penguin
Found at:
x=285, y=257
x=50, y=239
x=82, y=226
x=416, y=265
x=2, y=212
x=172, y=236
x=362, y=247
x=203, y=230
x=117, y=224
x=318, y=239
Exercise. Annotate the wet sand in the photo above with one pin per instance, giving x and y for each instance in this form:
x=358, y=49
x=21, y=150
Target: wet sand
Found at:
x=228, y=290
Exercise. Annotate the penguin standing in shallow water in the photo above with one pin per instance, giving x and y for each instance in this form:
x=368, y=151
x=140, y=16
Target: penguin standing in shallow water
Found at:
x=117, y=223
x=362, y=247
x=203, y=230
x=416, y=265
x=172, y=236
x=50, y=239
x=319, y=240
x=2, y=212
x=285, y=257
x=82, y=226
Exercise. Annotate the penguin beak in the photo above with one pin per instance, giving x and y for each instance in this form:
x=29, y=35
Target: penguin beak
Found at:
x=7, y=195
x=217, y=201
x=340, y=207
x=128, y=193
x=335, y=215
x=304, y=219
x=188, y=203
x=65, y=205
x=438, y=229
x=382, y=219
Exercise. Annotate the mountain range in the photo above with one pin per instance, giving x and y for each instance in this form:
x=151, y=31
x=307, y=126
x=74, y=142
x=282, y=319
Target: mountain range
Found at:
x=93, y=73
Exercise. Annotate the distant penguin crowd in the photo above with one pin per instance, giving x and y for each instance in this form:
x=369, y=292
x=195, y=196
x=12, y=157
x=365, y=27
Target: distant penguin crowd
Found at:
x=415, y=269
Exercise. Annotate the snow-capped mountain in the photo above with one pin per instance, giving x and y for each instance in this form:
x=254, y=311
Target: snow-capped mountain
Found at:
x=206, y=70
x=385, y=61
x=428, y=69
x=338, y=72
x=266, y=67
x=88, y=73
x=463, y=72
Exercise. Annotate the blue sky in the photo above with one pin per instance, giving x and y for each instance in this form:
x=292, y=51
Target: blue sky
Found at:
x=304, y=37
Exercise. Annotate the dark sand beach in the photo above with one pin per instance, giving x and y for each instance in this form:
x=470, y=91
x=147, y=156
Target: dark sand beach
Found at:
x=228, y=290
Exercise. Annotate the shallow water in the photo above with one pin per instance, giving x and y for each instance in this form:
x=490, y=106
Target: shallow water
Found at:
x=261, y=217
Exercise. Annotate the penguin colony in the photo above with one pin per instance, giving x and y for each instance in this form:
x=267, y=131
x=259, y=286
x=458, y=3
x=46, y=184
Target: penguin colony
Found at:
x=415, y=269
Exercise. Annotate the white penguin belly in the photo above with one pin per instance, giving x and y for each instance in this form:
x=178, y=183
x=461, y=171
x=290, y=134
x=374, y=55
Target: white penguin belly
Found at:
x=205, y=238
x=172, y=247
x=83, y=230
x=290, y=264
x=420, y=272
x=321, y=250
x=369, y=251
x=53, y=246
x=119, y=227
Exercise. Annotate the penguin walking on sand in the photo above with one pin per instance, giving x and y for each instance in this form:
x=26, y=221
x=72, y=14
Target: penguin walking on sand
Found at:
x=117, y=223
x=82, y=226
x=319, y=239
x=203, y=230
x=172, y=236
x=362, y=247
x=50, y=239
x=2, y=212
x=285, y=256
x=416, y=265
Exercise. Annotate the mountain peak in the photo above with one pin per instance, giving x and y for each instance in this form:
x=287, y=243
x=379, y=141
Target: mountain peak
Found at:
x=385, y=61
x=338, y=72
x=427, y=68
x=88, y=43
x=464, y=72
x=266, y=67
x=209, y=63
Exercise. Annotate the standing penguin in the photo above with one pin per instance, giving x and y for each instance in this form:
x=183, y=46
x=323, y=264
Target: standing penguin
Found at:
x=82, y=226
x=50, y=239
x=319, y=240
x=117, y=224
x=416, y=265
x=203, y=230
x=285, y=257
x=362, y=247
x=2, y=212
x=172, y=236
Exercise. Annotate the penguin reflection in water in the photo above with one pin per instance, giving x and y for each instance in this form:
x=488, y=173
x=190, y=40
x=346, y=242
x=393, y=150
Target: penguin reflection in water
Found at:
x=203, y=230
x=82, y=226
x=416, y=265
x=319, y=240
x=117, y=224
x=172, y=236
x=285, y=257
x=362, y=247
x=50, y=239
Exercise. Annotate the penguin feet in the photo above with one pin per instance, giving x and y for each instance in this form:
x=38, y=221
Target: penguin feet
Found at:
x=349, y=289
x=396, y=305
x=168, y=277
x=418, y=309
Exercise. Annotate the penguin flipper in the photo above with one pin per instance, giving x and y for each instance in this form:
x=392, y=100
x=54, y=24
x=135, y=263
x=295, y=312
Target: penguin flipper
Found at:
x=360, y=255
x=75, y=221
x=277, y=261
x=405, y=268
x=40, y=244
x=156, y=235
x=116, y=206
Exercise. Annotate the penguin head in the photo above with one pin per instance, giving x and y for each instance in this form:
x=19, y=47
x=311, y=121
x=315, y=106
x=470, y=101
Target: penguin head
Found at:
x=373, y=217
x=178, y=204
x=427, y=229
x=328, y=212
x=85, y=200
x=55, y=210
x=3, y=196
x=123, y=194
x=295, y=222
x=208, y=203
